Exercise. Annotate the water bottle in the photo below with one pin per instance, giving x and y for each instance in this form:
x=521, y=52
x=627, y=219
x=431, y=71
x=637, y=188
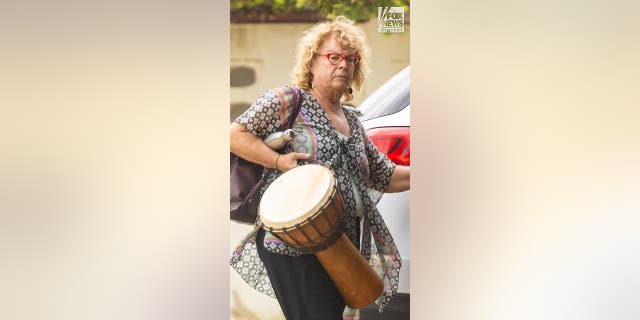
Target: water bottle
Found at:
x=277, y=140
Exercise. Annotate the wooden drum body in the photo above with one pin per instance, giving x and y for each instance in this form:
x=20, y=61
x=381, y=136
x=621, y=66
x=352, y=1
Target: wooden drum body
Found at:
x=304, y=207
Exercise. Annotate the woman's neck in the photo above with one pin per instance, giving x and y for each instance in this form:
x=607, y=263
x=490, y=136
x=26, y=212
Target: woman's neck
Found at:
x=329, y=101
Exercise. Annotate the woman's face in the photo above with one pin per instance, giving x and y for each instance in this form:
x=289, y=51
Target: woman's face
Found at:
x=329, y=76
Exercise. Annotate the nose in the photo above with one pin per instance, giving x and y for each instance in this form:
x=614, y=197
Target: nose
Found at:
x=343, y=63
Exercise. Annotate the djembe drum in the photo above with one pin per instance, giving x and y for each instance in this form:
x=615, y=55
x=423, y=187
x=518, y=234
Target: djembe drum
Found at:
x=304, y=208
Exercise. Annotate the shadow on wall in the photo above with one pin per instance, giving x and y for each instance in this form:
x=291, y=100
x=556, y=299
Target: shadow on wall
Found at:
x=237, y=109
x=240, y=77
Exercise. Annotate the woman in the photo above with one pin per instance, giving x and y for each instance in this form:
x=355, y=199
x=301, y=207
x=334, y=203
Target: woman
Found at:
x=332, y=60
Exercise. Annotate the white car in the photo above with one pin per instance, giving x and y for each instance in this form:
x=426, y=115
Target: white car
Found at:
x=385, y=116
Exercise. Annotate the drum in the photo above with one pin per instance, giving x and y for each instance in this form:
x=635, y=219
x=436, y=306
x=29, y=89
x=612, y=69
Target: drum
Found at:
x=304, y=208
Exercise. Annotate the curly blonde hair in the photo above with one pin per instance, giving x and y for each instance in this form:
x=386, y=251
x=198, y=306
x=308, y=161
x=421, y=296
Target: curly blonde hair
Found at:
x=350, y=36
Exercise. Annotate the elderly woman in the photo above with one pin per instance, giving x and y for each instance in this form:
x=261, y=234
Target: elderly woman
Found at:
x=332, y=61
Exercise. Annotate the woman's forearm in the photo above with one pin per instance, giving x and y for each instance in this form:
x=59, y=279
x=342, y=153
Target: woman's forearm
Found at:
x=400, y=179
x=250, y=147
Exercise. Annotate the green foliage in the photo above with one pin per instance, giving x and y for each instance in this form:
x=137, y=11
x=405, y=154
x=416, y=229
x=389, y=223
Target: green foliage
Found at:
x=359, y=10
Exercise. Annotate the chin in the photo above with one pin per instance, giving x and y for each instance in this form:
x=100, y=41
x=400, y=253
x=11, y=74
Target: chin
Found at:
x=340, y=86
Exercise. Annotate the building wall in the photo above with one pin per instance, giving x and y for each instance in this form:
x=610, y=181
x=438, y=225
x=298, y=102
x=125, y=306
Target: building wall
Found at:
x=269, y=49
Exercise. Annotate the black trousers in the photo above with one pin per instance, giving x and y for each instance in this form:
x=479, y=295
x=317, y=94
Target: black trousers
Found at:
x=302, y=286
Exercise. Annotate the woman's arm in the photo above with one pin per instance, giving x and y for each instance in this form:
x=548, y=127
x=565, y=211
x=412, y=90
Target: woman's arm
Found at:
x=251, y=148
x=400, y=179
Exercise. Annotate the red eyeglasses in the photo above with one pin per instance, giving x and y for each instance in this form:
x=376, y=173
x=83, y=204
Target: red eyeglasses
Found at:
x=335, y=58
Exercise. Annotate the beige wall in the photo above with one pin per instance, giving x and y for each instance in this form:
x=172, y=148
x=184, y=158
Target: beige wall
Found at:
x=270, y=50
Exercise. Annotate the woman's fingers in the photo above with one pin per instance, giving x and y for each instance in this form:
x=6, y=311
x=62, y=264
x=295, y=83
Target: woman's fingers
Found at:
x=304, y=157
x=301, y=155
x=291, y=160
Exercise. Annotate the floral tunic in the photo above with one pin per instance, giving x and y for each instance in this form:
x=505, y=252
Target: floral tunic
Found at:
x=357, y=164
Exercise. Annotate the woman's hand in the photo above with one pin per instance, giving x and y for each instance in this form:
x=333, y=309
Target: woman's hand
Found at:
x=288, y=161
x=251, y=148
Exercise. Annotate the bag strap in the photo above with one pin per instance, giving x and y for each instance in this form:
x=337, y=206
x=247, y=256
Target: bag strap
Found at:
x=296, y=108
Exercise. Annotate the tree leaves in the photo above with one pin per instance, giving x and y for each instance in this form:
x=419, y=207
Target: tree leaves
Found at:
x=358, y=10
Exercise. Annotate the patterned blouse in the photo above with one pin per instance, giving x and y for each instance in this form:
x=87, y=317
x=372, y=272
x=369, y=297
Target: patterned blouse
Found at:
x=357, y=165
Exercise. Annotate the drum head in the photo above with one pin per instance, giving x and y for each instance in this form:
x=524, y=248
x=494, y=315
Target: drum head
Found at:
x=296, y=195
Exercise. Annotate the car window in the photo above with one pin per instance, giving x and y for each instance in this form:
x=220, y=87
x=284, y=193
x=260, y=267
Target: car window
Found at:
x=391, y=97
